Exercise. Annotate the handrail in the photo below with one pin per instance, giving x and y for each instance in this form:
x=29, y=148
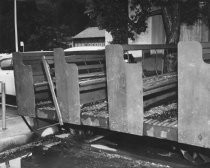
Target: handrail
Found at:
x=3, y=99
x=148, y=47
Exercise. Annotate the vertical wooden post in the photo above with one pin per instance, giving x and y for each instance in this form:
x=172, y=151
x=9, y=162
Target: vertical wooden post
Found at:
x=67, y=87
x=125, y=92
x=193, y=95
x=3, y=99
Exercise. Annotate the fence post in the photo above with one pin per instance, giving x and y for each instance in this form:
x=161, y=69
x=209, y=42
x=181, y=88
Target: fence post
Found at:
x=3, y=99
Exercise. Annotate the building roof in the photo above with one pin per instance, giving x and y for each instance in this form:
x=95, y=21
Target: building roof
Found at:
x=91, y=32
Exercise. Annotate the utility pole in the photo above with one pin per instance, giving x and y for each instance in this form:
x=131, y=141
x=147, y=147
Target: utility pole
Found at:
x=15, y=20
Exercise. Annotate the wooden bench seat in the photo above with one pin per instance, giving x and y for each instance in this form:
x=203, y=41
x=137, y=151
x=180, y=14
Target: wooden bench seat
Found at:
x=129, y=92
x=80, y=79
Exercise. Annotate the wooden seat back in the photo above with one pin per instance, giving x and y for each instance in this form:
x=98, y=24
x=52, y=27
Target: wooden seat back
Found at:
x=194, y=93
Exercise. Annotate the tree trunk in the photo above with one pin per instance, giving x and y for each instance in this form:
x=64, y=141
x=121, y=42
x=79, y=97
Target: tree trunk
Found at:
x=171, y=21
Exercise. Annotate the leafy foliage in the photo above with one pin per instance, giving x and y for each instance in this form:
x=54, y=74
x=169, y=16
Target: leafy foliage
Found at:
x=112, y=15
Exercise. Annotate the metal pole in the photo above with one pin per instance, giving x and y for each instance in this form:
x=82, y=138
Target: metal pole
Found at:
x=15, y=20
x=3, y=98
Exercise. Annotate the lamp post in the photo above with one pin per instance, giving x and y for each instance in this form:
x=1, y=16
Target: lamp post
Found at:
x=15, y=22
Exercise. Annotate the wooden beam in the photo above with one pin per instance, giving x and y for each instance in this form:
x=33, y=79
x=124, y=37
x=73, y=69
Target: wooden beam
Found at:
x=50, y=82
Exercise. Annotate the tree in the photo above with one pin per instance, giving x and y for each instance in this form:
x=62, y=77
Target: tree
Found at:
x=112, y=15
x=7, y=28
x=42, y=24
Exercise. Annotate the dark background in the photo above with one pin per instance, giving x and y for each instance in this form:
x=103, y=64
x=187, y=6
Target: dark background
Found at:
x=42, y=24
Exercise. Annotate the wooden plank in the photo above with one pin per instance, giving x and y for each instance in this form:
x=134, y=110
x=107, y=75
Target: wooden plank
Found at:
x=93, y=96
x=161, y=77
x=160, y=89
x=90, y=75
x=82, y=58
x=149, y=47
x=36, y=55
x=93, y=66
x=193, y=95
x=125, y=92
x=67, y=88
x=92, y=81
x=41, y=88
x=25, y=95
x=99, y=52
x=158, y=84
x=44, y=83
x=159, y=98
x=91, y=87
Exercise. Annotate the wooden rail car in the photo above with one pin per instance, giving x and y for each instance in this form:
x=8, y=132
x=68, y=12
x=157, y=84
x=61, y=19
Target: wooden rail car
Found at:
x=100, y=89
x=80, y=79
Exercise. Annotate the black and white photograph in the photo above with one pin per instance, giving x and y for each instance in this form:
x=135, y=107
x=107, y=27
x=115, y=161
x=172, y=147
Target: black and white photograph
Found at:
x=104, y=84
